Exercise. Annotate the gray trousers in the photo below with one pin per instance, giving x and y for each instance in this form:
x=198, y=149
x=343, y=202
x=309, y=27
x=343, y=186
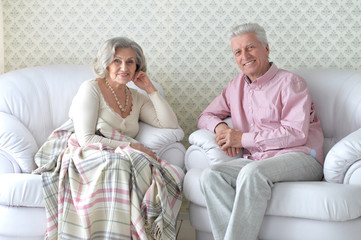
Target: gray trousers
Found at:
x=237, y=192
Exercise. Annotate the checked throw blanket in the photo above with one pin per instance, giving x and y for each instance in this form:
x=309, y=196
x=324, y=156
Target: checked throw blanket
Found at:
x=95, y=192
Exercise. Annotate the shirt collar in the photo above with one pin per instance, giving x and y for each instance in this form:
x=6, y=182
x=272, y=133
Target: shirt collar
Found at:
x=265, y=77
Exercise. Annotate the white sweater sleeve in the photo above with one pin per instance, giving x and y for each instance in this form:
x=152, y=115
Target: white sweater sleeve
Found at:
x=84, y=113
x=157, y=112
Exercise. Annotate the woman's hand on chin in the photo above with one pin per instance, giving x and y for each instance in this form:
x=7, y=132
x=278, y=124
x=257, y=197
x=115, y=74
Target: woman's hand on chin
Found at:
x=142, y=81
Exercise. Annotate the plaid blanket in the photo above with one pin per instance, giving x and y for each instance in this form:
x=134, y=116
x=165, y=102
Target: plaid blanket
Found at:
x=95, y=192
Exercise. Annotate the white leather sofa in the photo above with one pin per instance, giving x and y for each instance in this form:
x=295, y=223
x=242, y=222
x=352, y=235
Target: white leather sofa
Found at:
x=33, y=102
x=329, y=209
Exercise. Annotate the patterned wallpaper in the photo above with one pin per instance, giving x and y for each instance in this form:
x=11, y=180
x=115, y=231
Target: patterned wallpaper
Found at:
x=186, y=42
x=1, y=40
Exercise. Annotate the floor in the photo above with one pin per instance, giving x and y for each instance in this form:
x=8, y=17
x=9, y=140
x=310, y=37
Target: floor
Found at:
x=185, y=230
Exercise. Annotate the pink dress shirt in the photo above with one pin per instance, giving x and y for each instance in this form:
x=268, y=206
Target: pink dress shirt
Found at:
x=275, y=113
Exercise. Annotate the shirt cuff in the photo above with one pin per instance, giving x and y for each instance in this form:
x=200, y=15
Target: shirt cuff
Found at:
x=212, y=124
x=248, y=140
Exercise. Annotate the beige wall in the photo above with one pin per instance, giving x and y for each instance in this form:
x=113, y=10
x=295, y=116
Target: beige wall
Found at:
x=186, y=42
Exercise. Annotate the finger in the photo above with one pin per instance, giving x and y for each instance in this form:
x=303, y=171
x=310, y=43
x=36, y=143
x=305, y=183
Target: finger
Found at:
x=152, y=154
x=136, y=75
x=137, y=144
x=234, y=152
x=219, y=140
x=224, y=147
x=223, y=143
x=229, y=152
x=141, y=76
x=237, y=151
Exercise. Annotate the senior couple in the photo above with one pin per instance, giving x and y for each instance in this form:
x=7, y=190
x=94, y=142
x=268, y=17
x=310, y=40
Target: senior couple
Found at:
x=273, y=117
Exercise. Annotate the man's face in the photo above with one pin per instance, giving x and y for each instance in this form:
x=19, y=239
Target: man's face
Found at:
x=250, y=55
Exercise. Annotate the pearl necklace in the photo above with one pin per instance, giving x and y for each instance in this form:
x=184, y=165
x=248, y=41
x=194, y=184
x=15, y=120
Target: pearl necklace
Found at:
x=123, y=109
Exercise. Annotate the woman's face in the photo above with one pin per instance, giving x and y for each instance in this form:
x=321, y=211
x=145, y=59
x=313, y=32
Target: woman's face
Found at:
x=122, y=68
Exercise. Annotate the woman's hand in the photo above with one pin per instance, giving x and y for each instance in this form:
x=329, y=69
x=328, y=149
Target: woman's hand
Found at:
x=142, y=81
x=140, y=147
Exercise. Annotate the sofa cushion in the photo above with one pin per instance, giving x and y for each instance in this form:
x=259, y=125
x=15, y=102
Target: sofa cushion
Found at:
x=341, y=156
x=22, y=223
x=21, y=190
x=322, y=201
x=311, y=200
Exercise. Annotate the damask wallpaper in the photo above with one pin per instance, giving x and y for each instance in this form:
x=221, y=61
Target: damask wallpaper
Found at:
x=186, y=42
x=1, y=40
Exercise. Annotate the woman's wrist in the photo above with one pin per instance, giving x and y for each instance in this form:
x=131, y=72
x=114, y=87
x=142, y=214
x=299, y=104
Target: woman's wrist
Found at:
x=151, y=90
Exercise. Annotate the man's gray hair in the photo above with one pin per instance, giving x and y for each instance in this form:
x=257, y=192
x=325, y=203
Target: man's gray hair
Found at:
x=251, y=27
x=107, y=51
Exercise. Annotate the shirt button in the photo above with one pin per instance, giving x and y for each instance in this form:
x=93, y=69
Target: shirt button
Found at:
x=252, y=124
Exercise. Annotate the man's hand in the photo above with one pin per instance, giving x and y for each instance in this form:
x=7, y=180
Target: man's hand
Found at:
x=229, y=139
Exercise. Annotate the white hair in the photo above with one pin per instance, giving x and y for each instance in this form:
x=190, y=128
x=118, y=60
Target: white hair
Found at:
x=107, y=51
x=251, y=27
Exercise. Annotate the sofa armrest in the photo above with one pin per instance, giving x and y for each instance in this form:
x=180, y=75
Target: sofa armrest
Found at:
x=173, y=153
x=343, y=161
x=353, y=174
x=204, y=150
x=17, y=146
x=156, y=138
x=164, y=141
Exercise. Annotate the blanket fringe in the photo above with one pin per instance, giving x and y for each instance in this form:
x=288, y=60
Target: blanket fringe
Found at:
x=154, y=231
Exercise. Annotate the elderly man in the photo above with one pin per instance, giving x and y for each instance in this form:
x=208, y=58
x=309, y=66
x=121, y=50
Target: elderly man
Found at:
x=274, y=122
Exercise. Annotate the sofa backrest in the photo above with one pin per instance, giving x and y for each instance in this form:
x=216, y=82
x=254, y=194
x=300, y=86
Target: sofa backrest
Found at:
x=337, y=96
x=40, y=97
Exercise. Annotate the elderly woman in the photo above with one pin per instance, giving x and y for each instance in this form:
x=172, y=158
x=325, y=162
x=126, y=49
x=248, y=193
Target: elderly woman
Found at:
x=98, y=181
x=119, y=61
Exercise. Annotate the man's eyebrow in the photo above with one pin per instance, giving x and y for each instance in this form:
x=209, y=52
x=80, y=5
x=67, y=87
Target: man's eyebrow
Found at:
x=238, y=49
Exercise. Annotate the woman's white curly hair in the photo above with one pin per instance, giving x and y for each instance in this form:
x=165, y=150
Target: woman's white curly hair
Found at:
x=107, y=51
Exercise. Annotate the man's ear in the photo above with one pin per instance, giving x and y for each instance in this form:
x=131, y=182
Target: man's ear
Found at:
x=267, y=49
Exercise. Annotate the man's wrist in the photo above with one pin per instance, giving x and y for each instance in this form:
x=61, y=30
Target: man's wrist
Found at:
x=218, y=125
